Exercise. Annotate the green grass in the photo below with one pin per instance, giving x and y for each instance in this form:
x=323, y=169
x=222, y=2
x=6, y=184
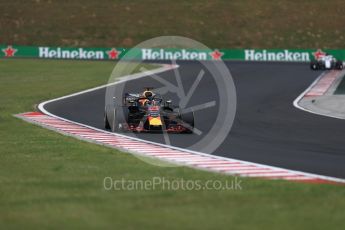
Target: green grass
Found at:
x=48, y=180
x=218, y=23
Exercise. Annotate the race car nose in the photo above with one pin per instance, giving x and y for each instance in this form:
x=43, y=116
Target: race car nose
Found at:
x=155, y=121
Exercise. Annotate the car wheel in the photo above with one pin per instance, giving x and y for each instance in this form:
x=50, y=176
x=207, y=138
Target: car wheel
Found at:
x=188, y=119
x=106, y=121
x=339, y=65
x=120, y=116
x=314, y=66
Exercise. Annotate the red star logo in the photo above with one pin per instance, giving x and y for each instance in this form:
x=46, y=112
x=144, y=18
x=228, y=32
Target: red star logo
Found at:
x=216, y=55
x=319, y=54
x=113, y=53
x=9, y=51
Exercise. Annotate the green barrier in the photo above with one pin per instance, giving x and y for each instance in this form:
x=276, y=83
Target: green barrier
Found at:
x=290, y=55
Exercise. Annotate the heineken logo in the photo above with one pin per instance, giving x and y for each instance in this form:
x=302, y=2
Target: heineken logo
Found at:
x=285, y=55
x=319, y=54
x=9, y=51
x=183, y=54
x=113, y=53
x=77, y=53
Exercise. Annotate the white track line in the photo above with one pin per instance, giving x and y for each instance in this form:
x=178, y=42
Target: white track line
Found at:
x=305, y=92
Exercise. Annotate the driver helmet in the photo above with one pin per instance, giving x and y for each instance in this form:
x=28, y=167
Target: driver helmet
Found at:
x=148, y=94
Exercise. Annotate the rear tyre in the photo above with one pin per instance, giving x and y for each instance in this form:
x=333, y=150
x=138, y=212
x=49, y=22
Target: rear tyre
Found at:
x=339, y=65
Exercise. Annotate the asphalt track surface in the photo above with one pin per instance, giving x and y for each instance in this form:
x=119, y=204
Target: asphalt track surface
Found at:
x=267, y=129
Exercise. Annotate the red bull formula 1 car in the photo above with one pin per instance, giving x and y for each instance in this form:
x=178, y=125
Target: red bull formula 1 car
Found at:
x=147, y=112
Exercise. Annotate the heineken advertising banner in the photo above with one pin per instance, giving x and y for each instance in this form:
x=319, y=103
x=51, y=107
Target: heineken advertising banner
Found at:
x=294, y=55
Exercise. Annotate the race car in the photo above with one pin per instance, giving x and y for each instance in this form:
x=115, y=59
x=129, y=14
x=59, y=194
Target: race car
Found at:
x=326, y=62
x=147, y=112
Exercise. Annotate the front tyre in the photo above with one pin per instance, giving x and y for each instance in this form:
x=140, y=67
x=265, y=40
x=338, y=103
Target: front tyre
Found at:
x=120, y=116
x=106, y=121
x=314, y=65
x=188, y=121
